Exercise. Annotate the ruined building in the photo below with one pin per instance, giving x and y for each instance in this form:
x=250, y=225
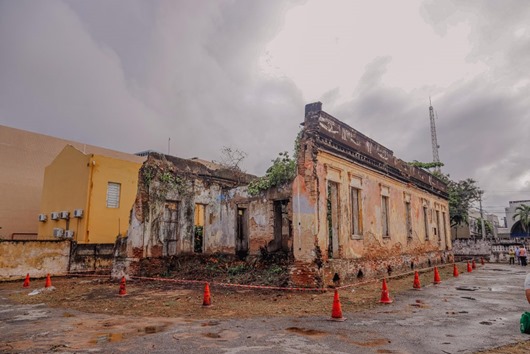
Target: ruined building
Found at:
x=352, y=210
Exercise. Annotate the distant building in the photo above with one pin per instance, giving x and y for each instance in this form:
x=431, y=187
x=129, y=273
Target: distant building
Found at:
x=88, y=197
x=23, y=158
x=473, y=227
x=511, y=224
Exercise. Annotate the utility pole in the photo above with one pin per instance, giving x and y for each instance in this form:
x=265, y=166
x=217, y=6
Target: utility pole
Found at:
x=169, y=146
x=483, y=227
x=434, y=140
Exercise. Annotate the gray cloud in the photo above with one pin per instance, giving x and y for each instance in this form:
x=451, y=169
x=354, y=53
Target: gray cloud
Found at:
x=128, y=75
x=482, y=123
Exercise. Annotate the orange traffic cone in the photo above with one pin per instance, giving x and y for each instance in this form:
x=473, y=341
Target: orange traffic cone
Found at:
x=455, y=271
x=416, y=285
x=48, y=281
x=123, y=291
x=482, y=260
x=469, y=270
x=473, y=264
x=336, y=311
x=26, y=281
x=207, y=300
x=437, y=279
x=385, y=297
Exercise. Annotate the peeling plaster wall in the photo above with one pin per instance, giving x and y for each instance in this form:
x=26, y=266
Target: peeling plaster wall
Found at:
x=372, y=241
x=150, y=237
x=37, y=258
x=332, y=152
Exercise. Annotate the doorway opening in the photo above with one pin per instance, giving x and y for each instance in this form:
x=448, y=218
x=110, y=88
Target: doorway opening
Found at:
x=282, y=228
x=242, y=233
x=333, y=219
x=169, y=229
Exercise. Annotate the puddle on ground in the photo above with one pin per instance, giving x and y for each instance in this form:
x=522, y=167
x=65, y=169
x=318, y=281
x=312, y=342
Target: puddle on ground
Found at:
x=153, y=329
x=305, y=331
x=467, y=288
x=117, y=337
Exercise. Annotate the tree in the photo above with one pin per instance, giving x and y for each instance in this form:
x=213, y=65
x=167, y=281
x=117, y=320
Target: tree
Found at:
x=462, y=195
x=231, y=158
x=488, y=226
x=522, y=214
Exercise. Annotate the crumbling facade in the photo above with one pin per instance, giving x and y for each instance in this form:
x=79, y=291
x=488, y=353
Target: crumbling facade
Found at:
x=358, y=210
x=353, y=210
x=187, y=207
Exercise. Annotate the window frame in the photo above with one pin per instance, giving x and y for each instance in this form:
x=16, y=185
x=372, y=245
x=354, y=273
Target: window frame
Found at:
x=109, y=198
x=356, y=212
x=426, y=221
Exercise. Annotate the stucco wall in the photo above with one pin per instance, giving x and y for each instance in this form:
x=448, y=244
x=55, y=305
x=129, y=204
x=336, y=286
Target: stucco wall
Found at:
x=23, y=158
x=75, y=180
x=371, y=185
x=65, y=189
x=34, y=257
x=172, y=190
x=104, y=223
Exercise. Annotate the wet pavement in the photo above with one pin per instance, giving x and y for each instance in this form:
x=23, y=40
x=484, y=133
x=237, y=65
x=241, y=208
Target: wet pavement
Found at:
x=475, y=311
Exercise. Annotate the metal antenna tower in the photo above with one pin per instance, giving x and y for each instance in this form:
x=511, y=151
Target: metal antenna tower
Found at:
x=434, y=141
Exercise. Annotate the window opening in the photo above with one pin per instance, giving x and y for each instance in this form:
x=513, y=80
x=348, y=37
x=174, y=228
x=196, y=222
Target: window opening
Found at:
x=198, y=239
x=356, y=217
x=408, y=214
x=384, y=215
x=426, y=222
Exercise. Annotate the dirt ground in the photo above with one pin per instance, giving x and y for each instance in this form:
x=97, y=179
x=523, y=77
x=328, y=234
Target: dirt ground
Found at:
x=168, y=299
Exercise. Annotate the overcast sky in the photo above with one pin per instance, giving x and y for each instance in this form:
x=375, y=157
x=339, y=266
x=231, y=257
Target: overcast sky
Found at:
x=128, y=75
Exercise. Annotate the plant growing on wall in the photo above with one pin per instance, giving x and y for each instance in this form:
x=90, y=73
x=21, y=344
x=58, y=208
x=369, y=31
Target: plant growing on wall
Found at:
x=160, y=181
x=283, y=170
x=197, y=238
x=426, y=165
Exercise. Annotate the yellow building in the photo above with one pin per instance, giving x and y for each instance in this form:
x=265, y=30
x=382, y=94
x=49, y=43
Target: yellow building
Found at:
x=88, y=197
